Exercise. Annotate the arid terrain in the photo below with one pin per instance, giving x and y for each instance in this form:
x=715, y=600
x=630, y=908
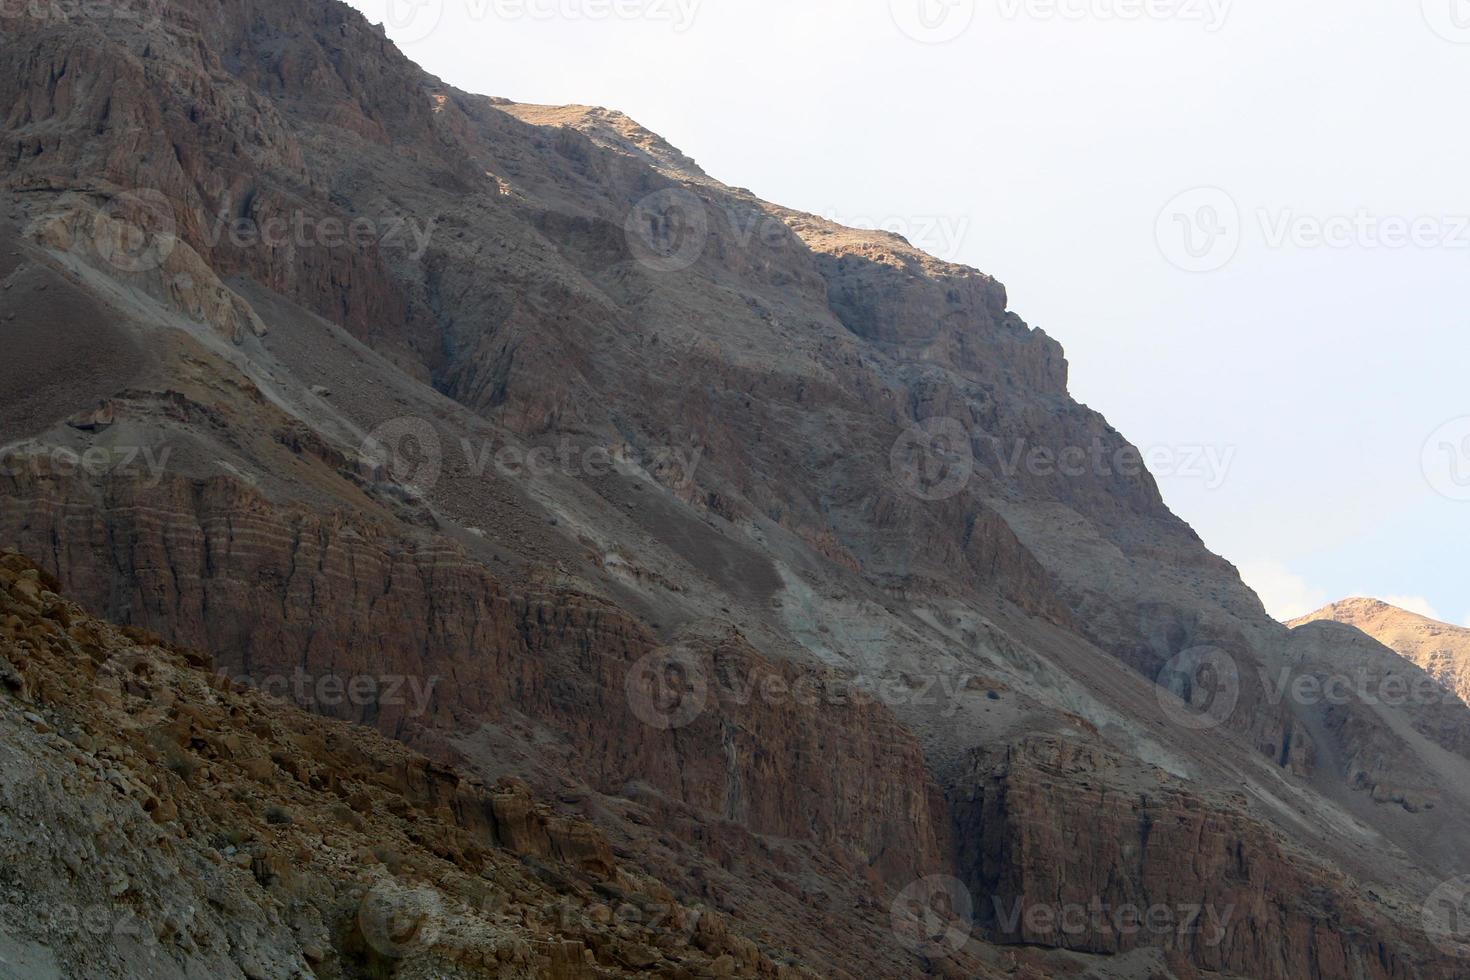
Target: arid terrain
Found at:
x=1440, y=649
x=450, y=537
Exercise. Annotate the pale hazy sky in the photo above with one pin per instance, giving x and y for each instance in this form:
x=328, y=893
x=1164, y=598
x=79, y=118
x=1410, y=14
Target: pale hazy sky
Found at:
x=1248, y=221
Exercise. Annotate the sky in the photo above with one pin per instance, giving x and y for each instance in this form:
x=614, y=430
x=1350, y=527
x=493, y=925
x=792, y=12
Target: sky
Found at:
x=1248, y=221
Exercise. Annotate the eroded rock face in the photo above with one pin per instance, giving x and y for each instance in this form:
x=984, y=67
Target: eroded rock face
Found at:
x=1074, y=850
x=237, y=190
x=170, y=270
x=736, y=465
x=348, y=600
x=209, y=828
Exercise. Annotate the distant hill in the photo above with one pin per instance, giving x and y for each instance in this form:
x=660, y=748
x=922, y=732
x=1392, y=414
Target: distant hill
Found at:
x=1441, y=649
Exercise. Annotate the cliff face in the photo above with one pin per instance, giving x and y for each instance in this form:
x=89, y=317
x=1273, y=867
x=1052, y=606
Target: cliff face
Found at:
x=772, y=553
x=201, y=828
x=339, y=596
x=1046, y=829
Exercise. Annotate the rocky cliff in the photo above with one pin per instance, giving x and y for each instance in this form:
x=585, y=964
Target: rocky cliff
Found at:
x=162, y=820
x=772, y=554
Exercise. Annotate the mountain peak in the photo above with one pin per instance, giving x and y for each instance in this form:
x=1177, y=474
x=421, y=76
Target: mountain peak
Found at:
x=1355, y=609
x=1442, y=649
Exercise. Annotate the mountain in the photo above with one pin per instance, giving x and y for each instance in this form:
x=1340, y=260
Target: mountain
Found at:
x=1439, y=648
x=173, y=823
x=774, y=552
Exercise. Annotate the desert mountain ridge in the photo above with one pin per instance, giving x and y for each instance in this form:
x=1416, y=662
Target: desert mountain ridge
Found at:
x=1440, y=648
x=749, y=566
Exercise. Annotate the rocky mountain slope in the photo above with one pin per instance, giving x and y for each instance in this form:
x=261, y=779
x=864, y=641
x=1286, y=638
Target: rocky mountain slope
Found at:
x=1439, y=648
x=775, y=552
x=161, y=820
